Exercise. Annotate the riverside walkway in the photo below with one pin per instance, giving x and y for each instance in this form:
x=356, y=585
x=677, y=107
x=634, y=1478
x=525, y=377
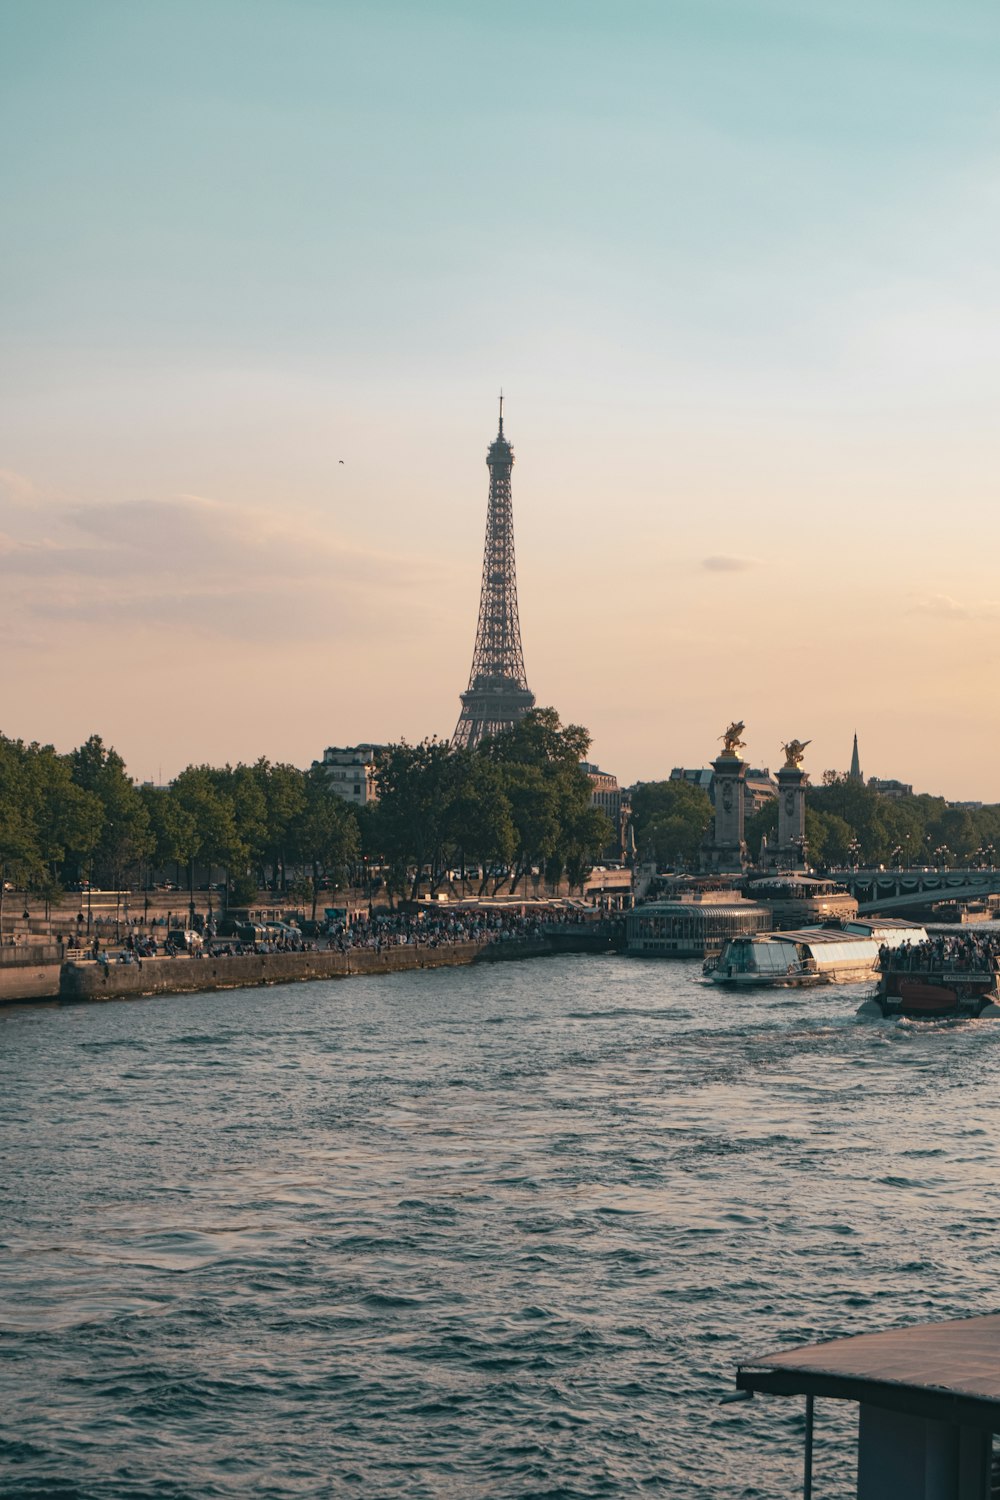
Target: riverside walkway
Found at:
x=385, y=945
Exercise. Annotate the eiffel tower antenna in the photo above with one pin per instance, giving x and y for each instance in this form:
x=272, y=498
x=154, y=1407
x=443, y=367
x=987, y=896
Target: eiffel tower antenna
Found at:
x=498, y=693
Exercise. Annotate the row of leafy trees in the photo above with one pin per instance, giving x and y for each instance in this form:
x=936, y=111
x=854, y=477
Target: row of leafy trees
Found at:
x=79, y=817
x=846, y=823
x=519, y=803
x=516, y=808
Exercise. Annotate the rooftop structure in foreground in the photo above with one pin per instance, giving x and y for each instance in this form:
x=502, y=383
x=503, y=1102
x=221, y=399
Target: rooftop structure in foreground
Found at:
x=498, y=693
x=929, y=1399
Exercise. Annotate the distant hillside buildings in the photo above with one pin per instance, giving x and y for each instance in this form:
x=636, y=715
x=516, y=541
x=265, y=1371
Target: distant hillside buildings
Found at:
x=892, y=789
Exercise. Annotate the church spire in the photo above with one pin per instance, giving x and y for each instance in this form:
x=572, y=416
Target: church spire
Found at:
x=855, y=771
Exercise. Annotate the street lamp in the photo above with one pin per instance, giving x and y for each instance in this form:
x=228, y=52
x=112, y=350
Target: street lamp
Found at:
x=854, y=850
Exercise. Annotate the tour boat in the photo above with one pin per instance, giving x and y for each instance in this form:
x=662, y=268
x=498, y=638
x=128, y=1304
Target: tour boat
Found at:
x=934, y=989
x=837, y=953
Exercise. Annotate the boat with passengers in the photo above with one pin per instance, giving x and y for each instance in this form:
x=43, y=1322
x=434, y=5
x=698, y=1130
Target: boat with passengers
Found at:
x=834, y=953
x=946, y=975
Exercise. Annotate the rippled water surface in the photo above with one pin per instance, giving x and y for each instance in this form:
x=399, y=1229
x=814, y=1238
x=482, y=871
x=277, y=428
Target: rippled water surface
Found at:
x=501, y=1231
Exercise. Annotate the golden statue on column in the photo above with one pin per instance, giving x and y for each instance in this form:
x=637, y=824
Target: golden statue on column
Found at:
x=732, y=743
x=793, y=753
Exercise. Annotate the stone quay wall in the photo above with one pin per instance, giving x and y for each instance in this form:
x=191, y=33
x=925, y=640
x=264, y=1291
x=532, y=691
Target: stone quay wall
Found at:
x=178, y=976
x=30, y=972
x=38, y=972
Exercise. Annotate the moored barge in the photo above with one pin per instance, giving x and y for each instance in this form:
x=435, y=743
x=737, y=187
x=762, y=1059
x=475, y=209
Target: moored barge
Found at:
x=694, y=924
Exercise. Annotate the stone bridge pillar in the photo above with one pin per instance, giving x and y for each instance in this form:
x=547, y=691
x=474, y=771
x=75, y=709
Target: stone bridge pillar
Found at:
x=792, y=783
x=725, y=850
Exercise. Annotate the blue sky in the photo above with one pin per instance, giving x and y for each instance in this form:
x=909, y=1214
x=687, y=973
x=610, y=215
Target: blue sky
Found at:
x=734, y=264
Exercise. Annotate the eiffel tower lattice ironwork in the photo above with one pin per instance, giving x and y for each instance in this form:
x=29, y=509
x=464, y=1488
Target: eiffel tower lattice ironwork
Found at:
x=498, y=692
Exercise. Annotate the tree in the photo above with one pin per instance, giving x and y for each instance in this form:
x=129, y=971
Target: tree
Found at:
x=549, y=795
x=125, y=836
x=283, y=790
x=207, y=817
x=47, y=822
x=417, y=787
x=67, y=819
x=19, y=853
x=324, y=834
x=480, y=823
x=172, y=827
x=670, y=819
x=242, y=785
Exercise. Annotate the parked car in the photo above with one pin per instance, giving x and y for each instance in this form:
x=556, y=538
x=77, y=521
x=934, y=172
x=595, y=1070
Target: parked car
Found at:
x=283, y=930
x=183, y=940
x=251, y=932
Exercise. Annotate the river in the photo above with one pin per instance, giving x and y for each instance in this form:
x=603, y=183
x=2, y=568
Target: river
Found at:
x=495, y=1232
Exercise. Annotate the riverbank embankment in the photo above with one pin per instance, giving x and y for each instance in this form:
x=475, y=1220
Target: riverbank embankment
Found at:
x=30, y=972
x=27, y=976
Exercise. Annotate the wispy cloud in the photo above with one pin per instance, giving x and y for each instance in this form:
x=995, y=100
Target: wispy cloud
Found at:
x=723, y=564
x=190, y=562
x=18, y=489
x=944, y=607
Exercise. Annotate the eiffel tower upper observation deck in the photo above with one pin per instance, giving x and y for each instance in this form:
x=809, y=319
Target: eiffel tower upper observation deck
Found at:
x=498, y=693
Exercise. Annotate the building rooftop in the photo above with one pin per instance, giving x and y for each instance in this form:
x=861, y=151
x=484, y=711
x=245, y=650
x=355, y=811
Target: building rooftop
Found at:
x=685, y=900
x=945, y=1371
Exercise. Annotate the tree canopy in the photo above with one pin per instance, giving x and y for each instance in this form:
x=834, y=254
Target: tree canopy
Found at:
x=669, y=819
x=516, y=808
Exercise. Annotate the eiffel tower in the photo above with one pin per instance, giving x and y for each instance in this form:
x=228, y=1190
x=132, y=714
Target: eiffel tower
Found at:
x=498, y=692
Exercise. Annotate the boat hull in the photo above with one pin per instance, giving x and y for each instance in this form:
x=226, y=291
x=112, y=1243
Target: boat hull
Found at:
x=923, y=1000
x=802, y=980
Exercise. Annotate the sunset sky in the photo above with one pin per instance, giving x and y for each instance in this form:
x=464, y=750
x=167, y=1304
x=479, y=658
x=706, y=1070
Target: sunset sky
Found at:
x=734, y=263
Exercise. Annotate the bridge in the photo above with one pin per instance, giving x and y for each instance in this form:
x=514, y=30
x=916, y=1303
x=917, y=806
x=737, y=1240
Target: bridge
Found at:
x=888, y=891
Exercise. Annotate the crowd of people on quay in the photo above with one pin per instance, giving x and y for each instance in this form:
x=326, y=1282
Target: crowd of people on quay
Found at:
x=968, y=952
x=431, y=929
x=368, y=931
